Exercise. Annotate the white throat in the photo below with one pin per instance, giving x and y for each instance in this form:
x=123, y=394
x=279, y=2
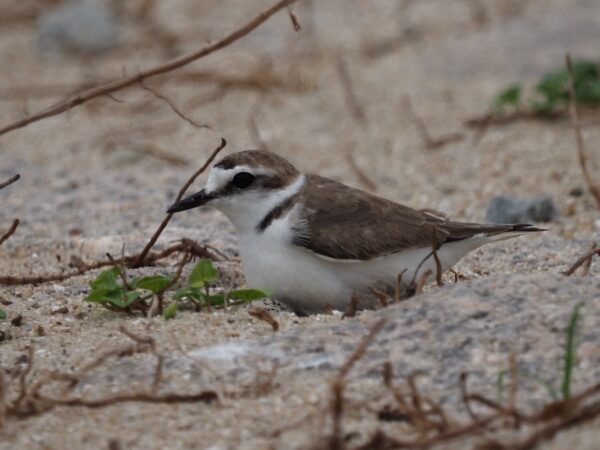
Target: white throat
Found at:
x=247, y=210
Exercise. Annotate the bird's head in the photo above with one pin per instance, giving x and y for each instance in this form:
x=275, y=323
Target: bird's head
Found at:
x=245, y=186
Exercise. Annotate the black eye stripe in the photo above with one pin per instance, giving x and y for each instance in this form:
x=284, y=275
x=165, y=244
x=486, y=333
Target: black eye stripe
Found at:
x=242, y=180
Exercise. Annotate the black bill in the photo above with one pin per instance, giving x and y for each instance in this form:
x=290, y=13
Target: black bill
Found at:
x=193, y=201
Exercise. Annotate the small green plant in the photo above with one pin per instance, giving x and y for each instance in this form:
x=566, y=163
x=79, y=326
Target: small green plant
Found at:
x=2, y=315
x=570, y=351
x=568, y=366
x=551, y=93
x=113, y=290
x=510, y=97
x=198, y=293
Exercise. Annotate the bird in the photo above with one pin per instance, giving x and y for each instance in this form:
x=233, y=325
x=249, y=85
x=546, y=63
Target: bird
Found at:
x=316, y=243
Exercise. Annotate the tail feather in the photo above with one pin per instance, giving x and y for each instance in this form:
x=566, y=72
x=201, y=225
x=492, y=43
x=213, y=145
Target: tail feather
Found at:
x=458, y=231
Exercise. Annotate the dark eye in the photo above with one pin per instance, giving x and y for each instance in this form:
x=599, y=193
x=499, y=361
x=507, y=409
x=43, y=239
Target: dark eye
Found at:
x=242, y=180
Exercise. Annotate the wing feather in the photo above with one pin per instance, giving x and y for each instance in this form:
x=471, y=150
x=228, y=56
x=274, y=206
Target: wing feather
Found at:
x=344, y=223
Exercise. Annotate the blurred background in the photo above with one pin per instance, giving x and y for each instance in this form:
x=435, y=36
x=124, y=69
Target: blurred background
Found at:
x=410, y=100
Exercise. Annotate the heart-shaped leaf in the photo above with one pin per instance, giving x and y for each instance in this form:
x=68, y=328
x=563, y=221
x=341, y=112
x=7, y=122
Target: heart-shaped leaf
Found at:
x=204, y=272
x=189, y=292
x=103, y=295
x=107, y=279
x=154, y=283
x=248, y=294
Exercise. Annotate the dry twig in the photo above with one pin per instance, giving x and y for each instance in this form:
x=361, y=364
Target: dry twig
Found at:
x=185, y=246
x=30, y=400
x=336, y=441
x=583, y=259
x=428, y=141
x=352, y=102
x=438, y=263
x=265, y=316
x=10, y=181
x=15, y=223
x=10, y=231
x=171, y=105
x=294, y=20
x=422, y=281
x=362, y=176
x=142, y=256
x=352, y=307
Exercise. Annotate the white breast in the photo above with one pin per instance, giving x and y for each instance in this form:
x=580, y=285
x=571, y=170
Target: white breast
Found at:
x=296, y=276
x=307, y=282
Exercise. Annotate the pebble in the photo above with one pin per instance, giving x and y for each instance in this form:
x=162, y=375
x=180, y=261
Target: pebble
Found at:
x=507, y=209
x=78, y=26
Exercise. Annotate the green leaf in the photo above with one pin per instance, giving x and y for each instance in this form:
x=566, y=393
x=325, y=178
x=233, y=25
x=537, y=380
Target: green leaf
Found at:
x=154, y=283
x=189, y=292
x=508, y=97
x=217, y=299
x=204, y=272
x=107, y=279
x=248, y=294
x=116, y=297
x=570, y=351
x=170, y=311
x=103, y=295
x=130, y=297
x=2, y=314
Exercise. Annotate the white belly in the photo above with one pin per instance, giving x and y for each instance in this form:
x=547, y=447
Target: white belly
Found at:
x=307, y=282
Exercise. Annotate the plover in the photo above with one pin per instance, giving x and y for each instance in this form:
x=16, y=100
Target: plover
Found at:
x=315, y=242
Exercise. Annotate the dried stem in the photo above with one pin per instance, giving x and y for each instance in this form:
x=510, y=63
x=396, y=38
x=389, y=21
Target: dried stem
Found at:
x=587, y=256
x=10, y=181
x=10, y=231
x=186, y=245
x=336, y=441
x=174, y=108
x=265, y=316
x=422, y=281
x=428, y=141
x=362, y=176
x=142, y=256
x=438, y=263
x=352, y=102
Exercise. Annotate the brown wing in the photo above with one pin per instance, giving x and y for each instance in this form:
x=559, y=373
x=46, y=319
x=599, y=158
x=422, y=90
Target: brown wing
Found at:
x=345, y=223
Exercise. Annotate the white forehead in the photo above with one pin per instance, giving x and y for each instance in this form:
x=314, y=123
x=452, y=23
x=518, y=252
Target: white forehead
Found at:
x=219, y=177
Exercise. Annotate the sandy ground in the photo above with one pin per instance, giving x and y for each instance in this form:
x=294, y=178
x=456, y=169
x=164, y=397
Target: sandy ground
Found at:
x=89, y=187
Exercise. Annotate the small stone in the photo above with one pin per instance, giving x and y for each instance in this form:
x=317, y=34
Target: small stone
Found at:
x=59, y=310
x=577, y=191
x=17, y=321
x=78, y=26
x=40, y=331
x=506, y=209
